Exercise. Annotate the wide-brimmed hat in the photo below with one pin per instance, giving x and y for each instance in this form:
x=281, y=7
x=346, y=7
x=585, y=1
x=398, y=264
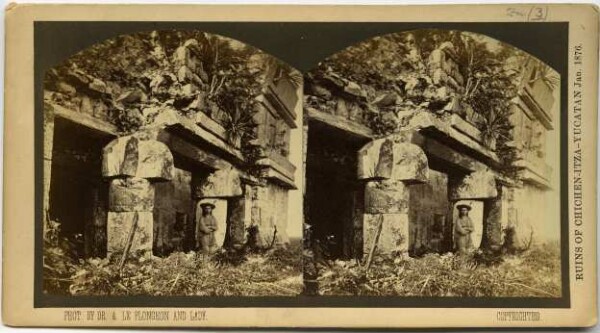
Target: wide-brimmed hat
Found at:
x=459, y=207
x=207, y=204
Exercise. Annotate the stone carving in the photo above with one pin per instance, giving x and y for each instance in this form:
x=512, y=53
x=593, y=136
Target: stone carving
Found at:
x=221, y=183
x=477, y=185
x=130, y=195
x=392, y=158
x=137, y=156
x=118, y=227
x=394, y=232
x=386, y=196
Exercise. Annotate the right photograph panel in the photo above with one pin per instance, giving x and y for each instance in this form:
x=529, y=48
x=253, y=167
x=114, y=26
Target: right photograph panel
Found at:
x=431, y=169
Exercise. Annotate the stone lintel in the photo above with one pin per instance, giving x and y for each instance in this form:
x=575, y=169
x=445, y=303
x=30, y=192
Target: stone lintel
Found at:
x=188, y=129
x=279, y=178
x=279, y=164
x=529, y=176
x=349, y=126
x=222, y=183
x=435, y=148
x=181, y=146
x=451, y=128
x=81, y=118
x=477, y=185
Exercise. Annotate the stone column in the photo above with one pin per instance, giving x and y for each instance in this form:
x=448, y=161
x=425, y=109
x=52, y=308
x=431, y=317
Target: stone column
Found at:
x=389, y=165
x=492, y=222
x=262, y=216
x=238, y=215
x=133, y=163
x=386, y=201
x=127, y=198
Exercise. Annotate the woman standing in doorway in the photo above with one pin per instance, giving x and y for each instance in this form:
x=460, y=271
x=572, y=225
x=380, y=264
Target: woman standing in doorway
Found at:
x=463, y=229
x=206, y=225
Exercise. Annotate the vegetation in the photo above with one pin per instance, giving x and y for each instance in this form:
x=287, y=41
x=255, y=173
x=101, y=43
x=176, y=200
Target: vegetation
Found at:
x=137, y=76
x=534, y=273
x=274, y=272
x=396, y=74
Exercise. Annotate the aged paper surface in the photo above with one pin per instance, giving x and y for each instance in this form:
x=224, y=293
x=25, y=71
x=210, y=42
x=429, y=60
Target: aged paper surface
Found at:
x=376, y=194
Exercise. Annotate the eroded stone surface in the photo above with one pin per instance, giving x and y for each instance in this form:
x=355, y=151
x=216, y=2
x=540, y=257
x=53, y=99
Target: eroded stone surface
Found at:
x=386, y=197
x=394, y=232
x=392, y=158
x=137, y=156
x=130, y=195
x=118, y=229
x=221, y=183
x=492, y=224
x=237, y=218
x=477, y=185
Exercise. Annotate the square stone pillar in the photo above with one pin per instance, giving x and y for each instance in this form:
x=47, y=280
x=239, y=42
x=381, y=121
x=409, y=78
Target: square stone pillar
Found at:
x=386, y=201
x=238, y=216
x=262, y=216
x=127, y=198
x=492, y=222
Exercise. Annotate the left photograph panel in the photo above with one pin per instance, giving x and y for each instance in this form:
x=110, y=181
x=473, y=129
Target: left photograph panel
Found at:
x=171, y=166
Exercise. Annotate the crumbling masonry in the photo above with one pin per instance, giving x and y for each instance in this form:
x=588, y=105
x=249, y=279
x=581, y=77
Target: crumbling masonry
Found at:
x=413, y=179
x=97, y=180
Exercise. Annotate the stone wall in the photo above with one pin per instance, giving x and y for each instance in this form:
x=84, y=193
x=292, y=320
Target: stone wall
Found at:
x=173, y=205
x=269, y=214
x=533, y=214
x=428, y=213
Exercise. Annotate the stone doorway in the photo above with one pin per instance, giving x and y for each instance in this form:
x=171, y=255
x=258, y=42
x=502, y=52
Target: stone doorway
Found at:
x=428, y=214
x=334, y=197
x=177, y=205
x=78, y=194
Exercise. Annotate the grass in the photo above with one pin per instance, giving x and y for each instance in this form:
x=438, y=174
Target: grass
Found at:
x=534, y=273
x=276, y=272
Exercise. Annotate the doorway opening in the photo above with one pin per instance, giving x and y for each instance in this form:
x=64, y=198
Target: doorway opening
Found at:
x=78, y=197
x=175, y=208
x=334, y=197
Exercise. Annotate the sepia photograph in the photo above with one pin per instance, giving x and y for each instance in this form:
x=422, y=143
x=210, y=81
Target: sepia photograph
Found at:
x=431, y=169
x=300, y=167
x=172, y=166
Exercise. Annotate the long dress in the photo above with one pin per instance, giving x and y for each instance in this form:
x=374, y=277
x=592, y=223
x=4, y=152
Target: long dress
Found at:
x=462, y=231
x=205, y=232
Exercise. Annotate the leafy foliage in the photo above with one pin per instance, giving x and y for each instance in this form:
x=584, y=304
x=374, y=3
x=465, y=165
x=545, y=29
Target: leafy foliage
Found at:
x=535, y=273
x=137, y=76
x=275, y=272
x=396, y=73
